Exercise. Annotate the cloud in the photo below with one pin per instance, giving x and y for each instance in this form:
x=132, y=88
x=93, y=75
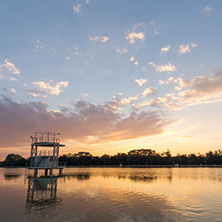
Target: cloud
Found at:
x=31, y=92
x=117, y=102
x=90, y=1
x=170, y=101
x=156, y=30
x=132, y=58
x=122, y=51
x=154, y=102
x=13, y=90
x=47, y=88
x=177, y=88
x=141, y=82
x=199, y=90
x=165, y=49
x=135, y=35
x=207, y=10
x=168, y=81
x=149, y=91
x=12, y=78
x=76, y=52
x=183, y=49
x=86, y=95
x=201, y=87
x=193, y=45
x=8, y=77
x=126, y=101
x=136, y=126
x=99, y=38
x=164, y=68
x=76, y=9
x=83, y=122
x=9, y=68
x=132, y=36
x=39, y=45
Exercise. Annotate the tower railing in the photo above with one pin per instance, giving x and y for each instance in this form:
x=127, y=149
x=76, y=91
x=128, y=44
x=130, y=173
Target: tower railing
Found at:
x=45, y=137
x=45, y=153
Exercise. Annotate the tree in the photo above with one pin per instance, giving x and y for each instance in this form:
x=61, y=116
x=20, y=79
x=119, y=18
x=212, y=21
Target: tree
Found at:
x=15, y=160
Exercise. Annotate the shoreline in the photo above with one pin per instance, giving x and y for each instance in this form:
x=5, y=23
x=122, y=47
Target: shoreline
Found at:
x=131, y=166
x=144, y=166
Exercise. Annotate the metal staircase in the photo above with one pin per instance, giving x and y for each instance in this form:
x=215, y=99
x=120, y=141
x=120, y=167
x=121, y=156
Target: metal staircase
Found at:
x=39, y=160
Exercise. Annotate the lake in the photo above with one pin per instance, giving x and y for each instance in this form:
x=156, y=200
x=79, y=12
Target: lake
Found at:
x=112, y=194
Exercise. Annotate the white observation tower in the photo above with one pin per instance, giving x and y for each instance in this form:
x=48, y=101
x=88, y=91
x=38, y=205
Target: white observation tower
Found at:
x=45, y=159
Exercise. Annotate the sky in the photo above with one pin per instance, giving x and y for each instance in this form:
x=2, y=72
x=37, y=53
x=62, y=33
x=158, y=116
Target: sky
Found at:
x=110, y=75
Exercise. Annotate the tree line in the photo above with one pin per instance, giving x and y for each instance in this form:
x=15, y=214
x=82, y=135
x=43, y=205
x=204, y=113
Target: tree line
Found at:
x=133, y=157
x=143, y=157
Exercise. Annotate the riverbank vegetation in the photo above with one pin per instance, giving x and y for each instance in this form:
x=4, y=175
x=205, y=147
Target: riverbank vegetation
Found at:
x=133, y=157
x=143, y=157
x=14, y=160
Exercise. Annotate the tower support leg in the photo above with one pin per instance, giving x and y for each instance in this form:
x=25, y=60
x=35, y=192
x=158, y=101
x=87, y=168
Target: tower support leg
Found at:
x=46, y=172
x=50, y=172
x=60, y=172
x=35, y=172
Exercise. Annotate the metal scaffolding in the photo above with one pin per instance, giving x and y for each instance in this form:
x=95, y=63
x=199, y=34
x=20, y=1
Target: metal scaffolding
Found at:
x=42, y=159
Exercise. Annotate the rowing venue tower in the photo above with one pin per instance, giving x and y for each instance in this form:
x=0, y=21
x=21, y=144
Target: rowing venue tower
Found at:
x=47, y=160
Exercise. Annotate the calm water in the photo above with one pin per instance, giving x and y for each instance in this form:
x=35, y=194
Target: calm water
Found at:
x=113, y=194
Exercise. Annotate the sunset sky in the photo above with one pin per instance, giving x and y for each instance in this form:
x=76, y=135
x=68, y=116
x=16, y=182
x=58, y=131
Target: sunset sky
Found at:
x=111, y=75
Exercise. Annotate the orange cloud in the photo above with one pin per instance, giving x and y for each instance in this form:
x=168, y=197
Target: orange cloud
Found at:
x=83, y=122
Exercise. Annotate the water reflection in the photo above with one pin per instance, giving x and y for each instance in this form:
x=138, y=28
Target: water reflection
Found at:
x=79, y=176
x=112, y=195
x=94, y=202
x=144, y=176
x=105, y=204
x=41, y=193
x=9, y=177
